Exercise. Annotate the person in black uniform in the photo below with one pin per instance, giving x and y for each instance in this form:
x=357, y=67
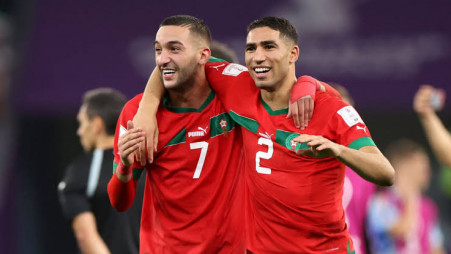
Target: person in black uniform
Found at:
x=83, y=196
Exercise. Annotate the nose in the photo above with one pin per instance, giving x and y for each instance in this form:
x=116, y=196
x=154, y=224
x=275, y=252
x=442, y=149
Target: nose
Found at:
x=163, y=58
x=259, y=55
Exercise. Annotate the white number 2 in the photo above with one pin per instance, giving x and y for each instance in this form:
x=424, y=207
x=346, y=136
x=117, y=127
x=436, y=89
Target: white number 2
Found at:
x=264, y=155
x=203, y=153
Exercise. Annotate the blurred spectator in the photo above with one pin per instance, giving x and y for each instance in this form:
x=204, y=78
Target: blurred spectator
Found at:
x=97, y=227
x=356, y=194
x=222, y=51
x=401, y=219
x=427, y=100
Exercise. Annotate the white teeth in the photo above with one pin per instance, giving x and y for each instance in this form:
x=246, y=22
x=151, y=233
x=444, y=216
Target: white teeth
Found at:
x=261, y=69
x=167, y=72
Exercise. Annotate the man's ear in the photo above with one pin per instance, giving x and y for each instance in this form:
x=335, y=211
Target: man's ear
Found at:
x=294, y=53
x=98, y=124
x=205, y=54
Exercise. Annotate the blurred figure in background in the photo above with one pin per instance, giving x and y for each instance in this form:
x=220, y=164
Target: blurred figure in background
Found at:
x=356, y=194
x=401, y=219
x=426, y=102
x=97, y=227
x=222, y=51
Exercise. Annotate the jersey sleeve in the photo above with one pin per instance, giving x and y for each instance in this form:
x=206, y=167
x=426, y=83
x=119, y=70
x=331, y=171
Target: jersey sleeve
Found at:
x=72, y=193
x=350, y=129
x=122, y=194
x=232, y=83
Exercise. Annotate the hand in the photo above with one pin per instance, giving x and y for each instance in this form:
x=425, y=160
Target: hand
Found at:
x=128, y=143
x=422, y=99
x=320, y=147
x=301, y=111
x=148, y=123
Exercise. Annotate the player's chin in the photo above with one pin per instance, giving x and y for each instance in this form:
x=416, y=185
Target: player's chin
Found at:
x=263, y=85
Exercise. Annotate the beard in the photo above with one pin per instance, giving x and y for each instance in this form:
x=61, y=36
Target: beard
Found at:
x=185, y=77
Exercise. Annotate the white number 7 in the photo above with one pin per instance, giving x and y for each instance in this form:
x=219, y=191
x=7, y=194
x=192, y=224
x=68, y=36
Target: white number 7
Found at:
x=203, y=153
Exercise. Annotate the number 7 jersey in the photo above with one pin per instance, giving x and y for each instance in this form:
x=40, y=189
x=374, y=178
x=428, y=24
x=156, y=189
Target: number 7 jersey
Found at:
x=194, y=195
x=293, y=203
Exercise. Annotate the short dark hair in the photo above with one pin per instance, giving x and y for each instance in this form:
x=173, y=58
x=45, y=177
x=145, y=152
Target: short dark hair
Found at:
x=285, y=28
x=107, y=103
x=195, y=25
x=402, y=149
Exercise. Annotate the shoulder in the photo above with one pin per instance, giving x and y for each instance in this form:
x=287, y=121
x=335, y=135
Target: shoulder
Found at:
x=134, y=102
x=225, y=69
x=131, y=107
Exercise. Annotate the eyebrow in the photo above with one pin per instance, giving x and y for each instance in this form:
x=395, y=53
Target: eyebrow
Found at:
x=170, y=42
x=263, y=43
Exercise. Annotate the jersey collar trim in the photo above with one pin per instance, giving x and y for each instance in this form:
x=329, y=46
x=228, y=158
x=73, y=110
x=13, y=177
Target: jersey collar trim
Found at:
x=188, y=110
x=283, y=111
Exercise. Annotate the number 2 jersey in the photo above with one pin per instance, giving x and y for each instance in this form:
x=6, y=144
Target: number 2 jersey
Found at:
x=194, y=195
x=293, y=203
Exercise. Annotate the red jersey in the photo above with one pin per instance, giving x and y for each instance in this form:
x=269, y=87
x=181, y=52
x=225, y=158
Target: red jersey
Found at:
x=194, y=195
x=293, y=203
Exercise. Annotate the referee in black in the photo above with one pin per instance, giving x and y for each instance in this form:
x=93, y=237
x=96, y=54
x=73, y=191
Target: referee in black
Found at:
x=83, y=196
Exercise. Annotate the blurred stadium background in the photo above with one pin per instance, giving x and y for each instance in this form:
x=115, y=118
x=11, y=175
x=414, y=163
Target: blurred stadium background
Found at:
x=51, y=52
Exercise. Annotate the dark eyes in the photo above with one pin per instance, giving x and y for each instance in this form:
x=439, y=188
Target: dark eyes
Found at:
x=268, y=46
x=250, y=48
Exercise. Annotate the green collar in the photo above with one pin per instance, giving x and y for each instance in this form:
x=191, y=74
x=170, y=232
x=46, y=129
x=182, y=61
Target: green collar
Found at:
x=187, y=110
x=283, y=111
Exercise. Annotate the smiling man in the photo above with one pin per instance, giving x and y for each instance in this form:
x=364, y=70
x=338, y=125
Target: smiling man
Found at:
x=293, y=202
x=193, y=201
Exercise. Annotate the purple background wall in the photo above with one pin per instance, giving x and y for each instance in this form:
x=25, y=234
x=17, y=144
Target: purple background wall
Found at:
x=381, y=50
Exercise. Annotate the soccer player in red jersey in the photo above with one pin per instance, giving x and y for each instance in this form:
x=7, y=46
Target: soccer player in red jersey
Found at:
x=193, y=201
x=293, y=199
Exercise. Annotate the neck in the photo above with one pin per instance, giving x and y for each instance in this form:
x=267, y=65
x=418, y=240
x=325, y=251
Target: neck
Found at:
x=105, y=142
x=192, y=94
x=278, y=96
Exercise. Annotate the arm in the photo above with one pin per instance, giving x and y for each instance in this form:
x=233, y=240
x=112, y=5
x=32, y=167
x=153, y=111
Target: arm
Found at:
x=122, y=187
x=368, y=161
x=88, y=238
x=146, y=119
x=436, y=133
x=302, y=99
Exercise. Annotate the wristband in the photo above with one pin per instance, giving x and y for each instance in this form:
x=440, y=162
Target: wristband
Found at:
x=123, y=170
x=305, y=85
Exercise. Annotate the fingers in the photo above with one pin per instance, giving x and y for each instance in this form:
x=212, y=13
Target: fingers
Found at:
x=128, y=150
x=129, y=125
x=129, y=143
x=306, y=112
x=298, y=109
x=141, y=153
x=152, y=147
x=131, y=137
x=422, y=99
x=311, y=107
x=289, y=109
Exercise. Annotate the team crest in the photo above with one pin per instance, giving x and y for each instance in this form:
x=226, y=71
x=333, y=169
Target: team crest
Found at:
x=291, y=144
x=223, y=124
